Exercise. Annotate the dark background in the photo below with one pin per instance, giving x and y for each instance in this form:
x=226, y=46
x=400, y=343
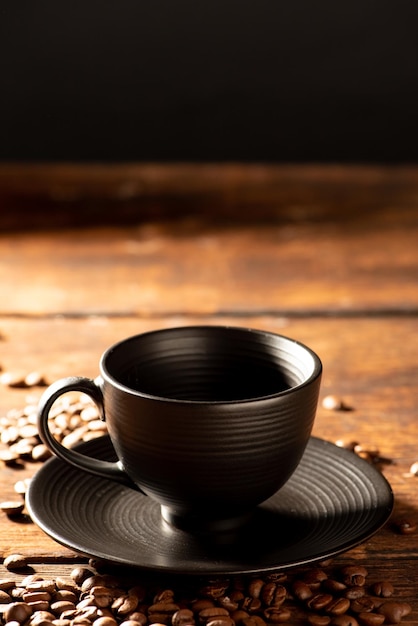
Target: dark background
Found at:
x=209, y=80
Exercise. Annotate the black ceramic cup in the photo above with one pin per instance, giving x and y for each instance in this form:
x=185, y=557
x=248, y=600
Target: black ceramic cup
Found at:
x=209, y=421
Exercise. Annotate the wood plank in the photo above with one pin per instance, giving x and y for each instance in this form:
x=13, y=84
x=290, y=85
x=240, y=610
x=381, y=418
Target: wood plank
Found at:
x=47, y=195
x=344, y=264
x=370, y=362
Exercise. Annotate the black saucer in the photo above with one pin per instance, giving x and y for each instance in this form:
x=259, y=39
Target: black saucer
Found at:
x=333, y=501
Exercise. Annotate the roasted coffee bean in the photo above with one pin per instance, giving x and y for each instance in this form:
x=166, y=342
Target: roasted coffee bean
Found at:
x=273, y=594
x=17, y=612
x=105, y=621
x=314, y=577
x=362, y=605
x=394, y=611
x=320, y=601
x=5, y=598
x=140, y=619
x=15, y=562
x=253, y=620
x=344, y=620
x=21, y=486
x=405, y=526
x=252, y=605
x=333, y=586
x=354, y=575
x=352, y=593
x=12, y=507
x=202, y=603
x=276, y=615
x=41, y=585
x=302, y=590
x=80, y=574
x=60, y=606
x=182, y=617
x=210, y=613
x=40, y=452
x=221, y=621
x=7, y=584
x=371, y=619
x=255, y=587
x=334, y=403
x=338, y=606
x=36, y=596
x=318, y=620
x=214, y=590
x=239, y=616
x=383, y=589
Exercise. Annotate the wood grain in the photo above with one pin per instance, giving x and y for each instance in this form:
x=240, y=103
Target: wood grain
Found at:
x=365, y=265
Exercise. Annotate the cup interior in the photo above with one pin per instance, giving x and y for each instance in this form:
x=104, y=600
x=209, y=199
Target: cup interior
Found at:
x=208, y=364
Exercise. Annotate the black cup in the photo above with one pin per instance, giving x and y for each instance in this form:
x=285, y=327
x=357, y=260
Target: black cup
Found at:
x=209, y=421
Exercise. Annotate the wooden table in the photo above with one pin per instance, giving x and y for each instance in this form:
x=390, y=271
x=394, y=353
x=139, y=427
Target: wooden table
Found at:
x=327, y=255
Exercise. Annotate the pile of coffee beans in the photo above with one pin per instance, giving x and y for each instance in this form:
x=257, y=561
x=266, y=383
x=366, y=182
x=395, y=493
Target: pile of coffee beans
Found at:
x=73, y=419
x=313, y=596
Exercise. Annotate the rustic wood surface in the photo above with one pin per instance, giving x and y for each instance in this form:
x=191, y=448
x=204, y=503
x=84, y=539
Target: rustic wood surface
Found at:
x=331, y=261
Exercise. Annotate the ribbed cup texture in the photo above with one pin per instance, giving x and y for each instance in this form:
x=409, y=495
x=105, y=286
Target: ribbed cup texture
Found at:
x=210, y=419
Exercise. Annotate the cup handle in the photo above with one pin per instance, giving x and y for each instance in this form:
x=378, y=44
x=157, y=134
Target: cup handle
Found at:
x=105, y=469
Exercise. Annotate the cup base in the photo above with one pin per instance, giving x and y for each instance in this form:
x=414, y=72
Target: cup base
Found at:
x=193, y=523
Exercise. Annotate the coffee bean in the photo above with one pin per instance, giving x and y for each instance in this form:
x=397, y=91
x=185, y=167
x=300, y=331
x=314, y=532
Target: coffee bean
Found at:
x=314, y=577
x=302, y=590
x=12, y=507
x=226, y=603
x=13, y=379
x=394, y=611
x=210, y=613
x=320, y=601
x=60, y=606
x=405, y=526
x=354, y=575
x=371, y=619
x=352, y=593
x=7, y=584
x=182, y=617
x=239, y=616
x=383, y=589
x=333, y=586
x=334, y=403
x=319, y=620
x=338, y=606
x=105, y=621
x=40, y=452
x=15, y=562
x=252, y=605
x=344, y=620
x=5, y=598
x=362, y=605
x=79, y=574
x=273, y=594
x=17, y=612
x=277, y=615
x=255, y=587
x=347, y=444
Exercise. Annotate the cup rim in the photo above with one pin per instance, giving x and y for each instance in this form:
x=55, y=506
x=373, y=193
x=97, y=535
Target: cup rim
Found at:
x=106, y=375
